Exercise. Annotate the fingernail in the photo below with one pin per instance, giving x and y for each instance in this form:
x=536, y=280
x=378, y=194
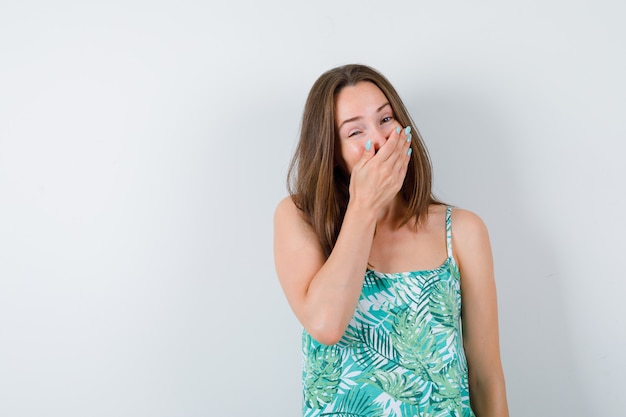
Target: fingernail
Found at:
x=407, y=130
x=408, y=137
x=368, y=145
x=409, y=152
x=398, y=129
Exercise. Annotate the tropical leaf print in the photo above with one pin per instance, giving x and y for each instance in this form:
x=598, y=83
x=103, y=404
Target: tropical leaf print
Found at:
x=399, y=386
x=415, y=343
x=443, y=305
x=401, y=355
x=373, y=284
x=350, y=376
x=358, y=403
x=322, y=374
x=376, y=349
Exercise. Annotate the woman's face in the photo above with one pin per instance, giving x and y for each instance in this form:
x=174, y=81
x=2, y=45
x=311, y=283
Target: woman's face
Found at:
x=362, y=113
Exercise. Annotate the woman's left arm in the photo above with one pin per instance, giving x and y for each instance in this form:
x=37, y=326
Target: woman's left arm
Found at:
x=472, y=250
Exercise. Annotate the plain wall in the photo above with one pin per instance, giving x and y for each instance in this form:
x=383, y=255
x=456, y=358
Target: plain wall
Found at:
x=144, y=146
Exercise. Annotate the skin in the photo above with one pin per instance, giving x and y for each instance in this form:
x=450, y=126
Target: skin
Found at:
x=323, y=293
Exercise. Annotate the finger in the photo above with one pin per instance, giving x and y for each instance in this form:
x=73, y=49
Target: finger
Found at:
x=403, y=156
x=390, y=146
x=408, y=135
x=407, y=149
x=368, y=153
x=402, y=139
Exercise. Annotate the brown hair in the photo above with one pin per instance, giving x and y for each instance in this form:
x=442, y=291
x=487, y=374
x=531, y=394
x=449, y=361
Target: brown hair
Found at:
x=318, y=185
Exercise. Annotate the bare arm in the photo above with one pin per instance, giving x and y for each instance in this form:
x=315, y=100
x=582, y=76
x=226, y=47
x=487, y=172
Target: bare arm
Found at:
x=480, y=315
x=323, y=293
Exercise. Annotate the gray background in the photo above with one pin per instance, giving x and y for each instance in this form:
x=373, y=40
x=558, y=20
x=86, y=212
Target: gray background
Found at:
x=144, y=146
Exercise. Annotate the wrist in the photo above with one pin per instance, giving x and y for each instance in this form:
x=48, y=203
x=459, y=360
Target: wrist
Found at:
x=363, y=213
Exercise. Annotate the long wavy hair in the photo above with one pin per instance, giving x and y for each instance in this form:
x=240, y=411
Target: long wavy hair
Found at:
x=318, y=181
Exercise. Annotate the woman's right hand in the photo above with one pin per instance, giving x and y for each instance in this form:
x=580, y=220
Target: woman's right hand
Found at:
x=379, y=174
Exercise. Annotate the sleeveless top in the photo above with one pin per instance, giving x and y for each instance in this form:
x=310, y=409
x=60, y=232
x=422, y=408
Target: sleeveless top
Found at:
x=402, y=353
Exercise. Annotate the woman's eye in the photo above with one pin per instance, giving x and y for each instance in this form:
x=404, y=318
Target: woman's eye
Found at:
x=387, y=119
x=354, y=133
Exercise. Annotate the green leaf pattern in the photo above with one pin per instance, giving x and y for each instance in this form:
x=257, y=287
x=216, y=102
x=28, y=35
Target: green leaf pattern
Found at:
x=402, y=354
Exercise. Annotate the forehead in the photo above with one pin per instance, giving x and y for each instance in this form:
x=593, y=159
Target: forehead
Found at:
x=357, y=100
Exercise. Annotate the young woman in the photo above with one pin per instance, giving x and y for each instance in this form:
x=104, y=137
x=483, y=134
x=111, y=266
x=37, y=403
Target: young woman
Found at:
x=375, y=268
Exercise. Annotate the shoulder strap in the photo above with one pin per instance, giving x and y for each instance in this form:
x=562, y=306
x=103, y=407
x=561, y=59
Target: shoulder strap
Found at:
x=449, y=231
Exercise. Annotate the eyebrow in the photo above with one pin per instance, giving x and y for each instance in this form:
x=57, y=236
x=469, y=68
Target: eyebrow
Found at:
x=353, y=119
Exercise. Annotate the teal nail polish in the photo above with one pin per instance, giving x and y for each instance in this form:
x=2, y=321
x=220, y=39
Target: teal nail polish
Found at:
x=407, y=130
x=368, y=145
x=409, y=152
x=408, y=137
x=398, y=129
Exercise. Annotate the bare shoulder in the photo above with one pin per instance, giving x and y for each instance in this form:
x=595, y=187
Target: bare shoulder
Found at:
x=470, y=238
x=291, y=230
x=297, y=252
x=467, y=224
x=285, y=207
x=289, y=215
